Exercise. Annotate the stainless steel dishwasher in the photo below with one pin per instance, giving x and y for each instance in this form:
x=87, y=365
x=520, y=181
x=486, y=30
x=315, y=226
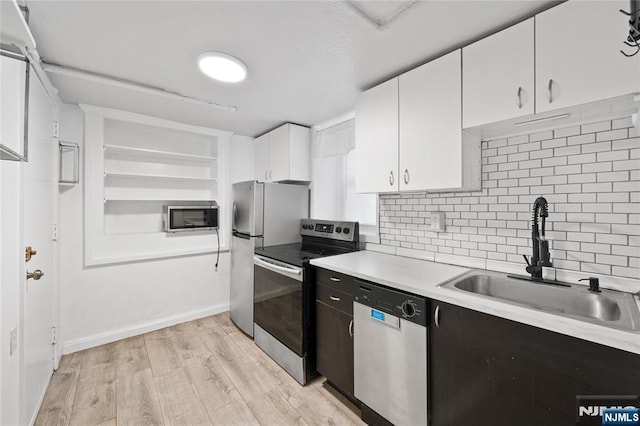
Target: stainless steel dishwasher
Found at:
x=390, y=355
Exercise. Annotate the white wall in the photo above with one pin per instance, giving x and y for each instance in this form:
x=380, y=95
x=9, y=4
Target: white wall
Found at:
x=12, y=264
x=241, y=158
x=107, y=303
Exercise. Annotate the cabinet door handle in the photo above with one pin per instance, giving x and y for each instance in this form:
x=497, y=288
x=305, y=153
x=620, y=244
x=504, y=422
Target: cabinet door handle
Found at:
x=335, y=299
x=351, y=328
x=550, y=90
x=391, y=178
x=334, y=279
x=519, y=97
x=436, y=316
x=406, y=176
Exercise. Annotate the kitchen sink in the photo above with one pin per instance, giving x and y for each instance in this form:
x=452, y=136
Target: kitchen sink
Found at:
x=609, y=308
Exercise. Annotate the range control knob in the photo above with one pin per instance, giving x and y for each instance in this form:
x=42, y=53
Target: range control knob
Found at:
x=338, y=230
x=346, y=230
x=408, y=309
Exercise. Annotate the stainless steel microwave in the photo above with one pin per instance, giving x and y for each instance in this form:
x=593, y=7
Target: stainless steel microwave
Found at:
x=191, y=218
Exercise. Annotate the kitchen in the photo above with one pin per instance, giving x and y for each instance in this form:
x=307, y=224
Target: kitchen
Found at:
x=530, y=109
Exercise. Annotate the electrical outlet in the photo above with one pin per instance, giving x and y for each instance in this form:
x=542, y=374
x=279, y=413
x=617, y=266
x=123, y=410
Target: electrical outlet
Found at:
x=437, y=222
x=13, y=344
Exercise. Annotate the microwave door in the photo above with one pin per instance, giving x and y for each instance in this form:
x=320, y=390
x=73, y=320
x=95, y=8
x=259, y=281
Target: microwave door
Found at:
x=247, y=208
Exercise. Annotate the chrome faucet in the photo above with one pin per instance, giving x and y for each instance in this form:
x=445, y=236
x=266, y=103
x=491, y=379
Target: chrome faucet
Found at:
x=541, y=256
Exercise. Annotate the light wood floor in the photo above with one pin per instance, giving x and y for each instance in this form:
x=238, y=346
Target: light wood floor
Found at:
x=201, y=372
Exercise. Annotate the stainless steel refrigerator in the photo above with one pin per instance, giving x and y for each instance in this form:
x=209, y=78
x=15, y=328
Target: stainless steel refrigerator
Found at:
x=264, y=214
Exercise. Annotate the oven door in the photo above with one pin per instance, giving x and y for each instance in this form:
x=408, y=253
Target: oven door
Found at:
x=278, y=301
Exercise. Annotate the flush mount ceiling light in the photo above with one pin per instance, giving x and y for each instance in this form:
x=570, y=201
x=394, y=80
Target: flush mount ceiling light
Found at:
x=222, y=67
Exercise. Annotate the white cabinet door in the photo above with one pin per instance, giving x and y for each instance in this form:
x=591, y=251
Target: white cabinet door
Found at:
x=578, y=57
x=279, y=153
x=431, y=125
x=261, y=158
x=498, y=76
x=377, y=139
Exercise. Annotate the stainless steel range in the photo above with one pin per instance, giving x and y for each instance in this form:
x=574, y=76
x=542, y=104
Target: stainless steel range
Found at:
x=284, y=294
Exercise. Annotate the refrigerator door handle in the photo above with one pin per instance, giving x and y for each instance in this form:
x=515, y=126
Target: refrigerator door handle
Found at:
x=234, y=217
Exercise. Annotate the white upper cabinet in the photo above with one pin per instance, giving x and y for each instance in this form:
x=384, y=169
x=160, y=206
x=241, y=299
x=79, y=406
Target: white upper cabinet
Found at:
x=283, y=154
x=261, y=158
x=409, y=133
x=377, y=139
x=430, y=125
x=498, y=77
x=578, y=57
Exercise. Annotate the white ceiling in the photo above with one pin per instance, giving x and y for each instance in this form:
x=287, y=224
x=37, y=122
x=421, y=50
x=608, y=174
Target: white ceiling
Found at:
x=307, y=60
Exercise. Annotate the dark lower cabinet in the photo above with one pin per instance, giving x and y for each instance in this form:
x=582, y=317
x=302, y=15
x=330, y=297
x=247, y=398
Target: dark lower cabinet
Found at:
x=335, y=347
x=486, y=370
x=335, y=293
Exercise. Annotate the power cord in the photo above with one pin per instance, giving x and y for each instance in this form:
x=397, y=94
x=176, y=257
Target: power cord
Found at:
x=218, y=256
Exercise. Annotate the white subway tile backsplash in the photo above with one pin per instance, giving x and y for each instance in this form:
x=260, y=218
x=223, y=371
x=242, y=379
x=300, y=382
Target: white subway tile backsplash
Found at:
x=590, y=175
x=612, y=135
x=596, y=127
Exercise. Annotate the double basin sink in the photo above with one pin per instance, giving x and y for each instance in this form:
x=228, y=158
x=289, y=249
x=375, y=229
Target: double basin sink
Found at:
x=608, y=308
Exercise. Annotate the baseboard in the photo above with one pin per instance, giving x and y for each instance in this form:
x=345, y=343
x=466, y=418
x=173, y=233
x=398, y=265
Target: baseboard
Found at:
x=94, y=340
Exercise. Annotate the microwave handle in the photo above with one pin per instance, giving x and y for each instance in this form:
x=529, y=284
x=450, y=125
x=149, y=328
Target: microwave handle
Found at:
x=276, y=268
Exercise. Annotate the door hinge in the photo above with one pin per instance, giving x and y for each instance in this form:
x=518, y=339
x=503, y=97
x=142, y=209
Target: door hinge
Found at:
x=54, y=335
x=56, y=129
x=54, y=232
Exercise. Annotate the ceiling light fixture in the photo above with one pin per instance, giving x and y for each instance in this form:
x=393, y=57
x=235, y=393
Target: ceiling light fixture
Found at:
x=222, y=67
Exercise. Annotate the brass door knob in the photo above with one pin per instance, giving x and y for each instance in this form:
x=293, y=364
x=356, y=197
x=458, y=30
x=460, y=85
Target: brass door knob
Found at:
x=36, y=275
x=28, y=252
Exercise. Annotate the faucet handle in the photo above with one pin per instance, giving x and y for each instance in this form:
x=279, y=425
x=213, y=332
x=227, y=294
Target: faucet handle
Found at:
x=594, y=284
x=526, y=259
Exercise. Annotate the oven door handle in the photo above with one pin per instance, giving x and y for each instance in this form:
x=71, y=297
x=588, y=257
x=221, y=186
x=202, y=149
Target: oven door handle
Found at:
x=277, y=268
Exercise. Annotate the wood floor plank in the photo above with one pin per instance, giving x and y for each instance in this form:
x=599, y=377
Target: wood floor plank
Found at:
x=316, y=407
x=58, y=401
x=257, y=386
x=95, y=400
x=187, y=341
x=131, y=356
x=202, y=372
x=162, y=352
x=137, y=399
x=220, y=398
x=99, y=364
x=224, y=320
x=179, y=402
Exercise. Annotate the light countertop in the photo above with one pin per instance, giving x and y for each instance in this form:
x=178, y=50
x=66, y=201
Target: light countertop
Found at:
x=422, y=278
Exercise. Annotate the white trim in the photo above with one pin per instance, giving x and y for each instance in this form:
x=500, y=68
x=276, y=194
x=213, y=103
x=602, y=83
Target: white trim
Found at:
x=98, y=339
x=133, y=117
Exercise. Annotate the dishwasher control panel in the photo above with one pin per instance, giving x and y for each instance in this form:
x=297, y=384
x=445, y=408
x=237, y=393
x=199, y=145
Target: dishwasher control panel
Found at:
x=388, y=302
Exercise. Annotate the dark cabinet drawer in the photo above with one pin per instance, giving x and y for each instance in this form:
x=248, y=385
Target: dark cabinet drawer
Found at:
x=336, y=280
x=335, y=298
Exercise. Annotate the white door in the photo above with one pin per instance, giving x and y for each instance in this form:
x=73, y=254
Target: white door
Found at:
x=498, y=76
x=578, y=57
x=431, y=125
x=377, y=139
x=38, y=295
